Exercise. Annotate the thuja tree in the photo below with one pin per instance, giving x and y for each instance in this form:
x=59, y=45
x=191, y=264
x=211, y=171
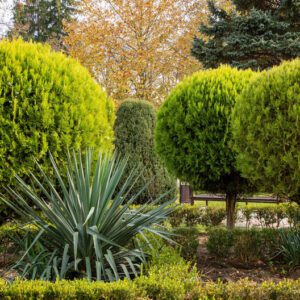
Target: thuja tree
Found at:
x=259, y=34
x=134, y=139
x=193, y=133
x=266, y=130
x=48, y=102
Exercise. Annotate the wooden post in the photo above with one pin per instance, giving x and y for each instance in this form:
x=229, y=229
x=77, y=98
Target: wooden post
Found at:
x=186, y=194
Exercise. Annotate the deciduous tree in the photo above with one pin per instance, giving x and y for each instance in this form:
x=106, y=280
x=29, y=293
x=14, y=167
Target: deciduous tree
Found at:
x=136, y=48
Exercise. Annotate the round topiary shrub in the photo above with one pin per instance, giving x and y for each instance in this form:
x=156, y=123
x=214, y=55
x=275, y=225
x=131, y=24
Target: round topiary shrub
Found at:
x=134, y=137
x=48, y=103
x=193, y=132
x=266, y=130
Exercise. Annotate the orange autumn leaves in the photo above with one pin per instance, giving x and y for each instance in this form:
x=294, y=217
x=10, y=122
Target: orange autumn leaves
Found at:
x=136, y=48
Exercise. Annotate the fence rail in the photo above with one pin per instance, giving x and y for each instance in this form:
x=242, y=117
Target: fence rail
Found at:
x=187, y=196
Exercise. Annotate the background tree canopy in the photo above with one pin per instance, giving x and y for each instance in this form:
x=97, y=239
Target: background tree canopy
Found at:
x=260, y=34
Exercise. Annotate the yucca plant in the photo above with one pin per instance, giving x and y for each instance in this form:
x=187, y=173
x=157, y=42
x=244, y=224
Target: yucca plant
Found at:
x=86, y=226
x=290, y=246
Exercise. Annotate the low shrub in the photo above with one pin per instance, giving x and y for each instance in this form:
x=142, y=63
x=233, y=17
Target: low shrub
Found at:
x=187, y=240
x=153, y=287
x=220, y=242
x=194, y=215
x=272, y=216
x=246, y=245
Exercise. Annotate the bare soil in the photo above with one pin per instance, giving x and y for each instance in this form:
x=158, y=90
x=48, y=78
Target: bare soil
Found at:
x=226, y=270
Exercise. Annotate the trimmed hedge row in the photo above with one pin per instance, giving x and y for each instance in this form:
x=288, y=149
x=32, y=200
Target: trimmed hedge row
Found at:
x=268, y=216
x=248, y=246
x=146, y=289
x=194, y=215
x=272, y=216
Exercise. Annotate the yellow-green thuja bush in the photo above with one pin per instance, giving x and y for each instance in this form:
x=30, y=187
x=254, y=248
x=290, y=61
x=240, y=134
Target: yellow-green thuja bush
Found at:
x=193, y=131
x=48, y=102
x=266, y=130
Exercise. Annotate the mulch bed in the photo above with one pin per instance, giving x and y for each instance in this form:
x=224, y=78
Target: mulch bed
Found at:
x=226, y=270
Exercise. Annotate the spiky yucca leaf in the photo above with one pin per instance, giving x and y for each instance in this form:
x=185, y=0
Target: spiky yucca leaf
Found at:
x=87, y=227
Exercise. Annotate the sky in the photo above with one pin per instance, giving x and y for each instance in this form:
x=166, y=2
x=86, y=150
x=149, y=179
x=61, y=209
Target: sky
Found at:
x=5, y=16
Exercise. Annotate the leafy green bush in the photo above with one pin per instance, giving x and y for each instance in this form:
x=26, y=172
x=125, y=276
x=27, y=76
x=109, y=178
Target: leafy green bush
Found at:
x=86, y=229
x=193, y=132
x=152, y=287
x=187, y=239
x=272, y=216
x=220, y=242
x=48, y=102
x=213, y=216
x=248, y=245
x=292, y=212
x=188, y=215
x=266, y=131
x=134, y=130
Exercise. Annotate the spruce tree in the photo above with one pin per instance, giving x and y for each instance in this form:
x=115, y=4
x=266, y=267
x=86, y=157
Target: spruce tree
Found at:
x=258, y=34
x=42, y=20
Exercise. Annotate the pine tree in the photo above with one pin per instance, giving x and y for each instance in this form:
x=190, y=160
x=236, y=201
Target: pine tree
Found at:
x=258, y=34
x=42, y=20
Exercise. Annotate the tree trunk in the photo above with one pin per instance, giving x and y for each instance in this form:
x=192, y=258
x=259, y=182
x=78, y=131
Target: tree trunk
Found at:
x=230, y=210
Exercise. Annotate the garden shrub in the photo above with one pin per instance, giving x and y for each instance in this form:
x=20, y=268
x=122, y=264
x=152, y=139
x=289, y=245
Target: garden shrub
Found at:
x=134, y=130
x=220, y=242
x=244, y=289
x=249, y=245
x=187, y=238
x=266, y=131
x=213, y=216
x=272, y=216
x=193, y=132
x=292, y=212
x=188, y=215
x=48, y=103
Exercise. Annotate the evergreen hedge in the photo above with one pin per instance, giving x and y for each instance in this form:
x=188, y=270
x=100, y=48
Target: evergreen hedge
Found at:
x=193, y=131
x=266, y=130
x=153, y=287
x=134, y=137
x=48, y=102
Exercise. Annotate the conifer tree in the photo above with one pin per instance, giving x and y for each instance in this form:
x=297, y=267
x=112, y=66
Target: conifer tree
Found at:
x=258, y=34
x=42, y=20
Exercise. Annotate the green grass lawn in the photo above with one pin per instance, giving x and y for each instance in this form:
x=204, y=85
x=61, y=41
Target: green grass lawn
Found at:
x=239, y=204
